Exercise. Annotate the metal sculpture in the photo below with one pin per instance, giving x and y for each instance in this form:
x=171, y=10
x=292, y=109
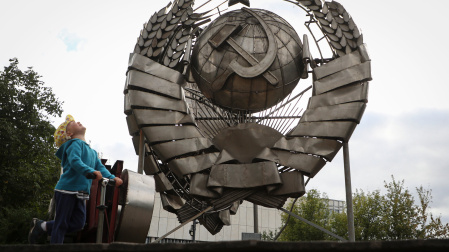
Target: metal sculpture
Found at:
x=225, y=60
x=211, y=116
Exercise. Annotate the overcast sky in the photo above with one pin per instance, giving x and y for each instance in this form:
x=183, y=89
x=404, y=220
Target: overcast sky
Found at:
x=81, y=49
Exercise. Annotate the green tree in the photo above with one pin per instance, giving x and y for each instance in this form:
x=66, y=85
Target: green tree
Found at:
x=339, y=224
x=29, y=168
x=392, y=216
x=399, y=212
x=368, y=220
x=268, y=235
x=406, y=219
x=312, y=207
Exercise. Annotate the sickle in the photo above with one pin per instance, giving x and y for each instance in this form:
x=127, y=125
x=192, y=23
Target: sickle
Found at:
x=258, y=69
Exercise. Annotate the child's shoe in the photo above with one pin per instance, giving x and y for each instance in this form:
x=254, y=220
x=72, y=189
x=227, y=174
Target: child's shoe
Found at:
x=36, y=230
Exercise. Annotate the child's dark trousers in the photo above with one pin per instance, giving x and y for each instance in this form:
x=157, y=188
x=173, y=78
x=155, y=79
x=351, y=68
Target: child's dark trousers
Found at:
x=70, y=216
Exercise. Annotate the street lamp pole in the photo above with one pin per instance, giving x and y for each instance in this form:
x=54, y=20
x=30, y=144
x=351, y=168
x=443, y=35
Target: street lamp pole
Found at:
x=192, y=230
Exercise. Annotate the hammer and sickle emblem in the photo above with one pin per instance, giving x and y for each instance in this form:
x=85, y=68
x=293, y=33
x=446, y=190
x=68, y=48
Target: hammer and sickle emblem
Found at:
x=263, y=65
x=257, y=68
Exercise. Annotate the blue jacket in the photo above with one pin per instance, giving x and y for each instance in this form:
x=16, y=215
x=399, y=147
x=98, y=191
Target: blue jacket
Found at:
x=78, y=160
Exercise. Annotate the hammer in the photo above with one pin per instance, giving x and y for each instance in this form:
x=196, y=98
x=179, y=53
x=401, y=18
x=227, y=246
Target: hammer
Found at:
x=224, y=35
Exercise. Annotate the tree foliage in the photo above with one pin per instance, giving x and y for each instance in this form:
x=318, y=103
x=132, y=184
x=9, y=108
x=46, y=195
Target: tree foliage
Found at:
x=405, y=219
x=29, y=168
x=313, y=207
x=392, y=216
x=368, y=212
x=268, y=235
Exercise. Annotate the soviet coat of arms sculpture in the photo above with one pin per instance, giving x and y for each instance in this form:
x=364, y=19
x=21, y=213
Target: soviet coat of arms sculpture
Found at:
x=216, y=104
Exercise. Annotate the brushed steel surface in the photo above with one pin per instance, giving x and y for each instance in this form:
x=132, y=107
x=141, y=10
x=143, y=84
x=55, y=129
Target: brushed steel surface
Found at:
x=133, y=129
x=127, y=105
x=352, y=93
x=262, y=198
x=257, y=68
x=162, y=184
x=137, y=208
x=245, y=141
x=337, y=65
x=161, y=117
x=260, y=47
x=308, y=164
x=136, y=144
x=171, y=203
x=149, y=100
x=169, y=133
x=326, y=148
x=225, y=217
x=144, y=64
x=338, y=130
x=348, y=111
x=172, y=149
x=150, y=166
x=292, y=185
x=140, y=80
x=198, y=186
x=233, y=2
x=361, y=72
x=244, y=175
x=193, y=164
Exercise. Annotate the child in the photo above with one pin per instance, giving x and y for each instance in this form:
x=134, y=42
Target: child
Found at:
x=77, y=160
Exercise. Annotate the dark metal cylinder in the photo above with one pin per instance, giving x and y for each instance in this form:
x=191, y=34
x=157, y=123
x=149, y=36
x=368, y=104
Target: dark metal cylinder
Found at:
x=256, y=219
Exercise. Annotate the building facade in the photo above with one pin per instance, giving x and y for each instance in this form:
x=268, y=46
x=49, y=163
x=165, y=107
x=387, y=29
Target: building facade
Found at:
x=269, y=219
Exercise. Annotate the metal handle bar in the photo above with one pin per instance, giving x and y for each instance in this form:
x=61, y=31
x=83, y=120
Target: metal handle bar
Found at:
x=104, y=181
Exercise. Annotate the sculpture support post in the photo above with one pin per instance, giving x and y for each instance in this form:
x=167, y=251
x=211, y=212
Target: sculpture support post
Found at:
x=141, y=153
x=349, y=206
x=256, y=219
x=313, y=224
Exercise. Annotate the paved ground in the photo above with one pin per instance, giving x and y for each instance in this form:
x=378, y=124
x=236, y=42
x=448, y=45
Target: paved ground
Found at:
x=240, y=246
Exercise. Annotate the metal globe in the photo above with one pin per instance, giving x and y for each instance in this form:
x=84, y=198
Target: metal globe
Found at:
x=247, y=60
